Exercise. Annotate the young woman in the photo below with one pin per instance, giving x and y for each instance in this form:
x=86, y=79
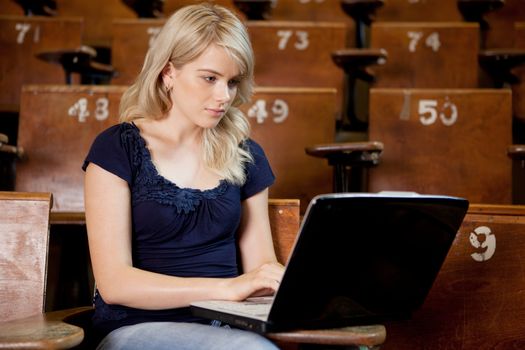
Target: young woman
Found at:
x=176, y=194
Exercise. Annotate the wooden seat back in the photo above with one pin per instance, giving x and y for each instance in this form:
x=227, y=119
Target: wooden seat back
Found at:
x=289, y=53
x=286, y=53
x=98, y=17
x=451, y=142
x=20, y=39
x=500, y=33
x=308, y=10
x=286, y=120
x=59, y=123
x=427, y=55
x=285, y=219
x=24, y=238
x=477, y=300
x=131, y=39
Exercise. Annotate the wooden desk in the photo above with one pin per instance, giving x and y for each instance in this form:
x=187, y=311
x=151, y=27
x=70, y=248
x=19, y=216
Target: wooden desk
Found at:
x=43, y=331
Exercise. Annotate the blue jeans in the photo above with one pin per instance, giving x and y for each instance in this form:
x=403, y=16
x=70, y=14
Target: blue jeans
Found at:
x=183, y=336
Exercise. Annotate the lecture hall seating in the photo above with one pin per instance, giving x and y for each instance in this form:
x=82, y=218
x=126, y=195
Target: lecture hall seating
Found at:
x=75, y=114
x=24, y=37
x=443, y=141
x=427, y=55
x=71, y=327
x=477, y=300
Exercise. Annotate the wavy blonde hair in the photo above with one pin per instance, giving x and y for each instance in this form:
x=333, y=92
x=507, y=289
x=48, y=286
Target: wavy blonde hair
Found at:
x=184, y=37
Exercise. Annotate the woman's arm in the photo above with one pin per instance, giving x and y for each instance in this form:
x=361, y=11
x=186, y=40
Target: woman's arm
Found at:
x=255, y=238
x=108, y=219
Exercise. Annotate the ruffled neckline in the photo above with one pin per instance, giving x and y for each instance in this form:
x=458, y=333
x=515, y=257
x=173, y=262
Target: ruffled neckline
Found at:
x=150, y=185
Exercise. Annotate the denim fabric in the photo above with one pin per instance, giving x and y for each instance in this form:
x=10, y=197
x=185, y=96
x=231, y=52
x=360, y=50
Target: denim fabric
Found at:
x=183, y=336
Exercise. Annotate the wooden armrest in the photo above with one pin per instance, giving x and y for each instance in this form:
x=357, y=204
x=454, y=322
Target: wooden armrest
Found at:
x=254, y=9
x=146, y=8
x=43, y=331
x=350, y=153
x=473, y=10
x=17, y=151
x=356, y=61
x=38, y=8
x=361, y=10
x=370, y=336
x=516, y=152
x=3, y=139
x=500, y=62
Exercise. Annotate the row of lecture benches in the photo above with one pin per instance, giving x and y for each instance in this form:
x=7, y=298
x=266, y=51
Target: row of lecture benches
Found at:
x=424, y=107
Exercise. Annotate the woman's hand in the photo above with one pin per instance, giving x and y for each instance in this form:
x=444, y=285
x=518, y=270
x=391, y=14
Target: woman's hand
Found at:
x=263, y=280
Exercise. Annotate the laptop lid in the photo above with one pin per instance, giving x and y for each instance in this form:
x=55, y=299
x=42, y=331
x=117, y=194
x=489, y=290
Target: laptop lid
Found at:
x=360, y=258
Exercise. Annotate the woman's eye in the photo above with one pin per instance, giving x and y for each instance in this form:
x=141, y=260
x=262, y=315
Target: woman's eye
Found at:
x=210, y=79
x=233, y=83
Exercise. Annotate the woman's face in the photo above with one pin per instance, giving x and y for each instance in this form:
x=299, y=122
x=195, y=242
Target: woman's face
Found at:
x=203, y=89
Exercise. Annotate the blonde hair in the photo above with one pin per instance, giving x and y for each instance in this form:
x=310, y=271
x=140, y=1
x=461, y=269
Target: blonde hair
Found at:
x=184, y=37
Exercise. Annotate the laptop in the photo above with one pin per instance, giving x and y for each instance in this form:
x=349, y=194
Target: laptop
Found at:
x=359, y=258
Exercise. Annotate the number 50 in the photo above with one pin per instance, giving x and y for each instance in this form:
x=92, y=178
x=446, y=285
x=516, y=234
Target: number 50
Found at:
x=428, y=112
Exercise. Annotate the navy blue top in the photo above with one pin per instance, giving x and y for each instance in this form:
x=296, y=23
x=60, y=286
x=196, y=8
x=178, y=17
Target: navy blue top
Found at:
x=175, y=231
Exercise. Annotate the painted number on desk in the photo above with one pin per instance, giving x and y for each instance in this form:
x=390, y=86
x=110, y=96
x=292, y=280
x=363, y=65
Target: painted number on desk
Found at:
x=431, y=41
x=428, y=112
x=487, y=243
x=279, y=111
x=301, y=39
x=23, y=29
x=81, y=111
x=153, y=32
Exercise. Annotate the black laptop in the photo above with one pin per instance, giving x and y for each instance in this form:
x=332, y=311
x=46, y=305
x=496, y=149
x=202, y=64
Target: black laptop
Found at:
x=359, y=258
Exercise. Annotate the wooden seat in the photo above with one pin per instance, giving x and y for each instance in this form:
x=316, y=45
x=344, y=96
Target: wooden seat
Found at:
x=24, y=37
x=24, y=235
x=57, y=329
x=443, y=141
x=24, y=238
x=477, y=300
x=419, y=53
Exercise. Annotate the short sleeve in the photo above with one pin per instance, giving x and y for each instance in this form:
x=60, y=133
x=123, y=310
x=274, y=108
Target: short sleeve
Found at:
x=259, y=174
x=111, y=152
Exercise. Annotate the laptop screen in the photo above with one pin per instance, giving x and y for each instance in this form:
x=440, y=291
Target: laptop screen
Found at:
x=365, y=257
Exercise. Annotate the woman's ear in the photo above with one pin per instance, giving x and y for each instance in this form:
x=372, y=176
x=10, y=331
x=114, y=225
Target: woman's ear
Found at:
x=168, y=73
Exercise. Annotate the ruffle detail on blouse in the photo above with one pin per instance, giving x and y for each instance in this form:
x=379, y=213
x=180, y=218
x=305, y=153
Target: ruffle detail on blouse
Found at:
x=151, y=186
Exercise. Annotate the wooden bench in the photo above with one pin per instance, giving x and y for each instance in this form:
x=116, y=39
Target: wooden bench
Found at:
x=441, y=141
x=22, y=38
x=68, y=328
x=477, y=300
x=420, y=53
